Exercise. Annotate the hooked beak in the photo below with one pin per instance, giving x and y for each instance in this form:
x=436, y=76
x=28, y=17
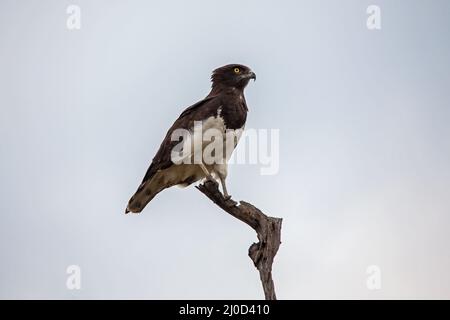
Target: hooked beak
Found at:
x=248, y=75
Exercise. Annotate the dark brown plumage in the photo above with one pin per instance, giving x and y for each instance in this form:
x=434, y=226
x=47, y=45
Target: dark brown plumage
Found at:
x=225, y=108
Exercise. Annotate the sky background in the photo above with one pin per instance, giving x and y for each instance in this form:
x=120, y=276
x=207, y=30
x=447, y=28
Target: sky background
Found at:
x=364, y=175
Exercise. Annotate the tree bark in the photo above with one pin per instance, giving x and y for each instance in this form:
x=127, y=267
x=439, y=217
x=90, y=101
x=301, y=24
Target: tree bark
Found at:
x=268, y=230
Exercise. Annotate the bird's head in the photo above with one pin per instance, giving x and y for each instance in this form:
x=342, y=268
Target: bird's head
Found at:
x=232, y=75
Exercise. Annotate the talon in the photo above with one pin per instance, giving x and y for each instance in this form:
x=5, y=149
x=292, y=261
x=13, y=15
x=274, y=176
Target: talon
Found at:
x=210, y=179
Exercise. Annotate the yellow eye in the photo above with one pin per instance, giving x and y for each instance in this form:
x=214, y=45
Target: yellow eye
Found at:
x=237, y=70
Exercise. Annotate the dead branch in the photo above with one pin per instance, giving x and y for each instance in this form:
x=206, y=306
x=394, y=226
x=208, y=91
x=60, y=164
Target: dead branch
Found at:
x=268, y=230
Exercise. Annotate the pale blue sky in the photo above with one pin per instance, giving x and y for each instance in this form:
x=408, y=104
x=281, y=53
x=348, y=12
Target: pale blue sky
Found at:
x=364, y=150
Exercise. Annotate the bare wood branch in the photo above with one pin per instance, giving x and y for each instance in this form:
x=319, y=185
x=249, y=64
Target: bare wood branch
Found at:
x=268, y=230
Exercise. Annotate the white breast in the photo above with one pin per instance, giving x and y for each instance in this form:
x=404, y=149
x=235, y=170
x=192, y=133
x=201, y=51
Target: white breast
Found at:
x=211, y=126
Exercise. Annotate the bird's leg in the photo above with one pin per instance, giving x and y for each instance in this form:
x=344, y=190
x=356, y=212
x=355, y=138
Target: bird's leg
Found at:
x=206, y=172
x=224, y=189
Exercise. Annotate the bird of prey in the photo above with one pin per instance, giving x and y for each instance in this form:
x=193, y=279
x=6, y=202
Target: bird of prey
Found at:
x=223, y=109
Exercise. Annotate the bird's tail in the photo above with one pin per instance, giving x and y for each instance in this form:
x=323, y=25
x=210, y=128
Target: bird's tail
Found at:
x=144, y=194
